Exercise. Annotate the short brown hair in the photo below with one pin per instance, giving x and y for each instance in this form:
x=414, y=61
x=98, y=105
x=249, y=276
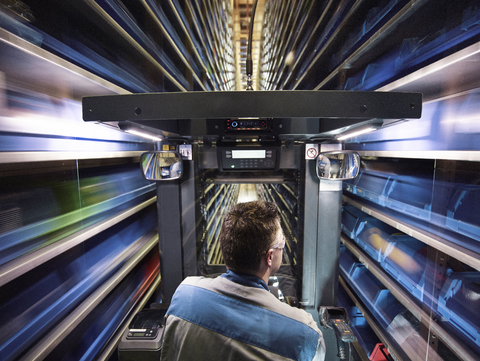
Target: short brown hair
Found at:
x=248, y=232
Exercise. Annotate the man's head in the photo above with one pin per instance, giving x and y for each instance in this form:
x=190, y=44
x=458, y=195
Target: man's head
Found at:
x=250, y=231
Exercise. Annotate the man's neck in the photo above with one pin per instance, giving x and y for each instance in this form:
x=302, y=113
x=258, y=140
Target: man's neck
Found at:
x=264, y=276
x=247, y=279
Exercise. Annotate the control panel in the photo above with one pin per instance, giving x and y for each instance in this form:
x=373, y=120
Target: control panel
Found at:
x=142, y=339
x=142, y=333
x=248, y=159
x=233, y=157
x=343, y=330
x=248, y=124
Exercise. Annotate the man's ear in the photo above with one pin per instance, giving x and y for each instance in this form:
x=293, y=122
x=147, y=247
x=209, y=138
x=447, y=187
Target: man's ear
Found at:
x=269, y=257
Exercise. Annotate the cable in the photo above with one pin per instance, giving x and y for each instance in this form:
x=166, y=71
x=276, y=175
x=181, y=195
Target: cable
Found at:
x=249, y=48
x=343, y=350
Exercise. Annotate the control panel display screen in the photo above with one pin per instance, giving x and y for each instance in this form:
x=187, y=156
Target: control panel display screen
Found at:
x=248, y=159
x=249, y=154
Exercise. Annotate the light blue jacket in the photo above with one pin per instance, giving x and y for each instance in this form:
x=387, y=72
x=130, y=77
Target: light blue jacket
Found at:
x=235, y=317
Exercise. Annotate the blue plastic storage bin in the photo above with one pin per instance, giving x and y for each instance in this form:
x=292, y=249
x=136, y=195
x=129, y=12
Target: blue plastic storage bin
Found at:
x=368, y=232
x=366, y=284
x=370, y=290
x=459, y=303
x=387, y=307
x=347, y=261
x=373, y=236
x=350, y=185
x=405, y=260
x=406, y=194
x=372, y=186
x=401, y=256
x=410, y=195
x=463, y=211
x=351, y=218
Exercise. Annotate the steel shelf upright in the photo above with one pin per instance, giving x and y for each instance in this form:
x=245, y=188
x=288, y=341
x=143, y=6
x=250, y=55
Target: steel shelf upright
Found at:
x=193, y=42
x=159, y=17
x=212, y=25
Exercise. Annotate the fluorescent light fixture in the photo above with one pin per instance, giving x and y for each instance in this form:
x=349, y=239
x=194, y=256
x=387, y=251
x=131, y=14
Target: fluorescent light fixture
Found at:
x=144, y=135
x=362, y=129
x=140, y=131
x=355, y=133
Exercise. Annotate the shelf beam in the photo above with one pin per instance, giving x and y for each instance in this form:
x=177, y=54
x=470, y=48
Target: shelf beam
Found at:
x=458, y=252
x=30, y=67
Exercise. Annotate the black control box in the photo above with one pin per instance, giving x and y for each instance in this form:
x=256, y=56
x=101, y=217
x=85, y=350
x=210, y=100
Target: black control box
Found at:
x=248, y=157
